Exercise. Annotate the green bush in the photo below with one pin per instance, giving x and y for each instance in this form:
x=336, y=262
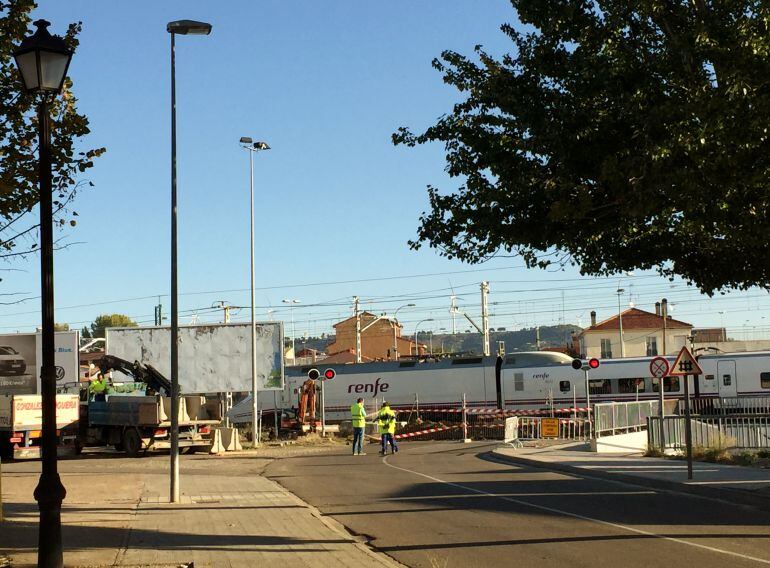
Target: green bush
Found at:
x=746, y=458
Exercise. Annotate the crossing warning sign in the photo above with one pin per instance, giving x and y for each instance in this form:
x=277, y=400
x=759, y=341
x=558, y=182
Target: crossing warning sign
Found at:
x=685, y=364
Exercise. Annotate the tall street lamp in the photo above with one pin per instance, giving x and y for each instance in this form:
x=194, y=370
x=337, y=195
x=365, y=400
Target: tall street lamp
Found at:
x=417, y=345
x=43, y=60
x=291, y=302
x=181, y=27
x=395, y=325
x=252, y=147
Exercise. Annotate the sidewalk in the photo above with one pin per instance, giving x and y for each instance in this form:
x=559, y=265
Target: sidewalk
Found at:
x=736, y=484
x=224, y=518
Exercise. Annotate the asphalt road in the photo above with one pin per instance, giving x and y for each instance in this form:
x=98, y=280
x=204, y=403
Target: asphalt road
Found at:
x=440, y=505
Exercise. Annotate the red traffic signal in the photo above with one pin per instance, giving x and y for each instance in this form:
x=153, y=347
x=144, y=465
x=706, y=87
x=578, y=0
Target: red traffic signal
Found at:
x=593, y=363
x=329, y=374
x=313, y=374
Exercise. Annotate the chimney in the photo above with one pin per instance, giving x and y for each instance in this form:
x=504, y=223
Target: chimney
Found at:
x=657, y=308
x=664, y=308
x=593, y=318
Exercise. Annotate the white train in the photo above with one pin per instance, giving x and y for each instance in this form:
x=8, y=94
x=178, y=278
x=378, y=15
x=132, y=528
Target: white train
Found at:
x=531, y=380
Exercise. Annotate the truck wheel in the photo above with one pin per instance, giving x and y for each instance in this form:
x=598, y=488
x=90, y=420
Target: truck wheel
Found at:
x=132, y=442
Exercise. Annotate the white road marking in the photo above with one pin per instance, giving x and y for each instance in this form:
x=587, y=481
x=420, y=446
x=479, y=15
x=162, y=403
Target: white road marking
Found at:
x=544, y=494
x=581, y=517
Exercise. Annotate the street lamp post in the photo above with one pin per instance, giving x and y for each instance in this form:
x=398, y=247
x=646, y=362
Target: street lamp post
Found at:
x=395, y=324
x=252, y=147
x=417, y=345
x=291, y=302
x=182, y=27
x=43, y=60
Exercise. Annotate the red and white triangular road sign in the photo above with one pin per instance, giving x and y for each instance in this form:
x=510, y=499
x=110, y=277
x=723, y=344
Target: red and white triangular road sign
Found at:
x=685, y=364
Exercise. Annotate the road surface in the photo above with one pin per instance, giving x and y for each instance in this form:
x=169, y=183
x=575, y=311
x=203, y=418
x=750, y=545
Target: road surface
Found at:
x=445, y=504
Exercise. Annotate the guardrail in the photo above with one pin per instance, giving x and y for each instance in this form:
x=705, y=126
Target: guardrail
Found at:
x=620, y=417
x=727, y=405
x=740, y=431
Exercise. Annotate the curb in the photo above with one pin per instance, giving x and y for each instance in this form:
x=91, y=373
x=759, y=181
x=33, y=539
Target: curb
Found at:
x=731, y=496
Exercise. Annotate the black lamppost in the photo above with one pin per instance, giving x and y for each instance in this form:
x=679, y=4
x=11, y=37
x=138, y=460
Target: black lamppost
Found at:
x=43, y=61
x=182, y=27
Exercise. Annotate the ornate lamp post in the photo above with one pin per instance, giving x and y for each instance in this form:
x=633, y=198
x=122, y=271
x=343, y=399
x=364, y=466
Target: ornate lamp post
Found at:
x=43, y=60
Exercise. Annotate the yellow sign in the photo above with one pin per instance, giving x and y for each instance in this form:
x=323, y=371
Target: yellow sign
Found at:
x=549, y=427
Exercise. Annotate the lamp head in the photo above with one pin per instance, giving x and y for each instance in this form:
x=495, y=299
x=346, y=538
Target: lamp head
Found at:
x=188, y=27
x=43, y=60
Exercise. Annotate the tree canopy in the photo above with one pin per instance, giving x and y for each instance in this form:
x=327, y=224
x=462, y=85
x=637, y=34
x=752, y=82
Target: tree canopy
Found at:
x=109, y=320
x=615, y=136
x=19, y=191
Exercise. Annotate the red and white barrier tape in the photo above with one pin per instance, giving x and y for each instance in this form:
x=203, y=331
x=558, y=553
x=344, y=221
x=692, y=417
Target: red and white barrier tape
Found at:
x=423, y=432
x=509, y=412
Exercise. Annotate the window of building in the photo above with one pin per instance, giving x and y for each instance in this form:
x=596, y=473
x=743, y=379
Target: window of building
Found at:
x=518, y=381
x=764, y=379
x=564, y=386
x=606, y=349
x=652, y=346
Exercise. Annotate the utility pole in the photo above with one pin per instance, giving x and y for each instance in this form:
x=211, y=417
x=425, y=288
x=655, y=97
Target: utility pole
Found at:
x=620, y=324
x=453, y=311
x=537, y=337
x=485, y=316
x=226, y=308
x=358, y=328
x=159, y=313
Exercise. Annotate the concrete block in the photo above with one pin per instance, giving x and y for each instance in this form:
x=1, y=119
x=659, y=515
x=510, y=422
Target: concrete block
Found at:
x=225, y=440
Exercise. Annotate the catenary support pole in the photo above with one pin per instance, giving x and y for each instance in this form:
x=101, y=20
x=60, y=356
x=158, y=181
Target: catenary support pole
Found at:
x=174, y=469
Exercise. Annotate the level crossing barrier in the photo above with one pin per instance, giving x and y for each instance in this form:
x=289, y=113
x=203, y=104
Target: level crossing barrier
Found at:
x=723, y=431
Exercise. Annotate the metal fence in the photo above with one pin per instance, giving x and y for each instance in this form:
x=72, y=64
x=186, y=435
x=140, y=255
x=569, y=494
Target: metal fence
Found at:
x=619, y=417
x=739, y=431
x=531, y=428
x=727, y=405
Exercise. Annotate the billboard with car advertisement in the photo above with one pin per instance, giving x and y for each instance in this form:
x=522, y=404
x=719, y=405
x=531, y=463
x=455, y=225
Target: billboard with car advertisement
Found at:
x=20, y=357
x=212, y=358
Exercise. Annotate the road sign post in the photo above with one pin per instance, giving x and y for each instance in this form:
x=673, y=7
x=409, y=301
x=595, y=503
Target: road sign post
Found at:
x=659, y=369
x=684, y=366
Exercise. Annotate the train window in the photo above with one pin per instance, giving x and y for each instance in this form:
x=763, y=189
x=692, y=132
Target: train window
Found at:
x=671, y=384
x=629, y=385
x=564, y=386
x=599, y=387
x=467, y=361
x=518, y=381
x=727, y=380
x=510, y=360
x=764, y=379
x=709, y=377
x=407, y=364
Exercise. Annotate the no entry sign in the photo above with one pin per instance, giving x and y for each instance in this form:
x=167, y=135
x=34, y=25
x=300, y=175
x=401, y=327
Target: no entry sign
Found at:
x=659, y=367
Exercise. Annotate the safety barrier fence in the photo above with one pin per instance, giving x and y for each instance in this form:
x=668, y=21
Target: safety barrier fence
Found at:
x=439, y=423
x=727, y=405
x=620, y=417
x=740, y=431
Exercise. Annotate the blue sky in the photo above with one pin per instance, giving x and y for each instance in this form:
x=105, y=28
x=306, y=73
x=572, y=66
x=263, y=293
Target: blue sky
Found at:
x=325, y=84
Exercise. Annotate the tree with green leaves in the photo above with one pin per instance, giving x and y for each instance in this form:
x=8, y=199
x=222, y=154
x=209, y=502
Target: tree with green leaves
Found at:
x=615, y=136
x=109, y=320
x=61, y=327
x=19, y=189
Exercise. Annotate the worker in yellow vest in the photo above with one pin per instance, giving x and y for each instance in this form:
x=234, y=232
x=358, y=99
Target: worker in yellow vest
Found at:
x=358, y=419
x=386, y=421
x=98, y=388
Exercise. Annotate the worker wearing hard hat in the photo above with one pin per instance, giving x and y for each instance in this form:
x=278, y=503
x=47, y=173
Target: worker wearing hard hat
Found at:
x=386, y=421
x=358, y=419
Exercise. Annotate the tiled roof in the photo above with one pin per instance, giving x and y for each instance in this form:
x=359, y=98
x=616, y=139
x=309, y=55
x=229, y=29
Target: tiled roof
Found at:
x=634, y=318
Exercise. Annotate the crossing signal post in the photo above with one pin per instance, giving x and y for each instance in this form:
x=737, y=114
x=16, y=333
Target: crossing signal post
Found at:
x=328, y=375
x=684, y=366
x=585, y=366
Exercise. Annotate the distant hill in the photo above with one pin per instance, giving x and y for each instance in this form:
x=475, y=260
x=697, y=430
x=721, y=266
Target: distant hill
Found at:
x=520, y=340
